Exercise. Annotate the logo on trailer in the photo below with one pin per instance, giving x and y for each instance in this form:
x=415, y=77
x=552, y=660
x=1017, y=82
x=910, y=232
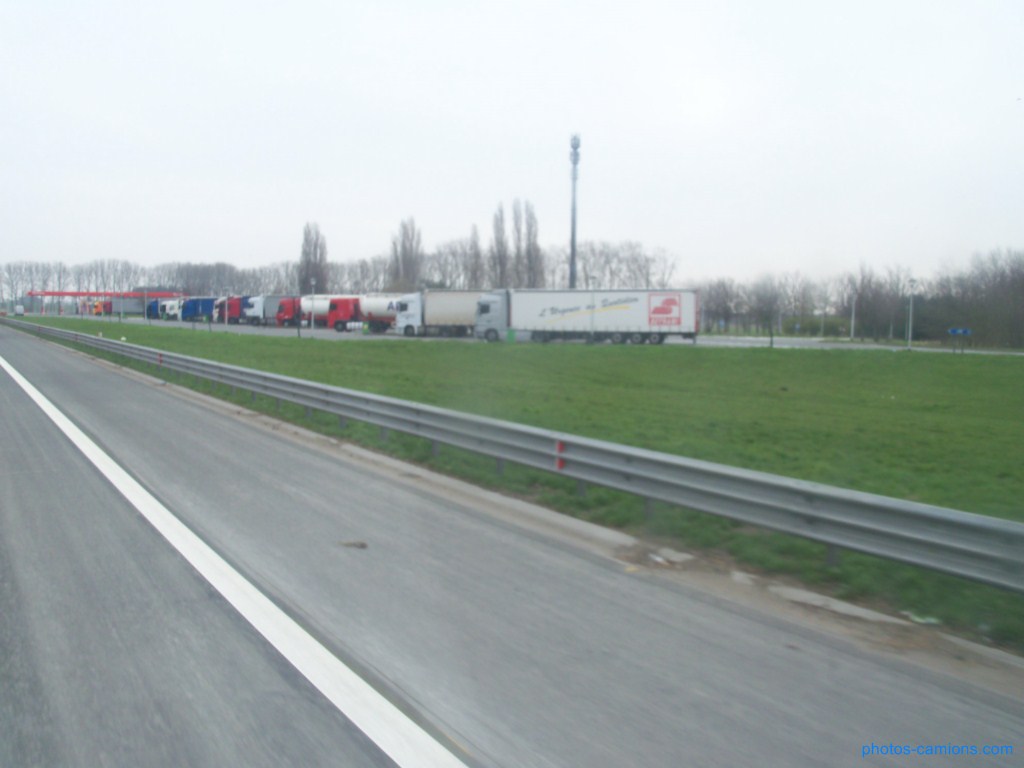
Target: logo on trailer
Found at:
x=664, y=309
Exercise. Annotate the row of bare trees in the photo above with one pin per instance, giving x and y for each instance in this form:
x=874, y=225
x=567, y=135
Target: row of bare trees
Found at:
x=987, y=297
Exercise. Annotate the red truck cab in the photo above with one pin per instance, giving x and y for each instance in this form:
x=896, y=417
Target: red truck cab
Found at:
x=289, y=312
x=342, y=311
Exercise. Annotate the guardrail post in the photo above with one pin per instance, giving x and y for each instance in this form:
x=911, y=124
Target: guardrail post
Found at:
x=342, y=422
x=384, y=433
x=581, y=488
x=309, y=412
x=500, y=467
x=648, y=509
x=435, y=449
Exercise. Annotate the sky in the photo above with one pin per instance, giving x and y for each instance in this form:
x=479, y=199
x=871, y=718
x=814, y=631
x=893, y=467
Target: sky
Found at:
x=736, y=137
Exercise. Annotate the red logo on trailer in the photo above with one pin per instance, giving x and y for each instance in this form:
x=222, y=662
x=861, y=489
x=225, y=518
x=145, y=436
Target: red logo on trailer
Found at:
x=665, y=309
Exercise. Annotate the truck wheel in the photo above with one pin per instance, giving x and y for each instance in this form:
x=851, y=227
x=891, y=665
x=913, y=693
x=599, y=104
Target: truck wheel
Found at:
x=339, y=326
x=409, y=331
x=636, y=338
x=491, y=335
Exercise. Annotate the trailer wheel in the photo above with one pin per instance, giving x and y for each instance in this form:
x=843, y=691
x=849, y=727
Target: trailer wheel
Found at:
x=636, y=338
x=409, y=331
x=657, y=338
x=618, y=338
x=491, y=335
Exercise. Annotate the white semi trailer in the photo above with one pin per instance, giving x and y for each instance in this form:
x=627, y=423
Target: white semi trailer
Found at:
x=437, y=313
x=636, y=316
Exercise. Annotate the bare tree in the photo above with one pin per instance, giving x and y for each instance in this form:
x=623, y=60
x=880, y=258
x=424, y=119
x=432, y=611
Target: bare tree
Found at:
x=988, y=298
x=556, y=267
x=765, y=303
x=498, y=255
x=275, y=279
x=16, y=274
x=443, y=268
x=406, y=257
x=518, y=272
x=312, y=259
x=823, y=293
x=534, y=255
x=476, y=274
x=719, y=299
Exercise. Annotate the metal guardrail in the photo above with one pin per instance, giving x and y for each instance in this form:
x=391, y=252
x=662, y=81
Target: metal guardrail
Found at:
x=977, y=547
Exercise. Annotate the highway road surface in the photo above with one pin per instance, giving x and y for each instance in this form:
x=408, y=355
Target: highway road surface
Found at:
x=189, y=584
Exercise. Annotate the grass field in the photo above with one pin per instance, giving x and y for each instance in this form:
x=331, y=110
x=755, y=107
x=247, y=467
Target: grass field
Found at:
x=938, y=428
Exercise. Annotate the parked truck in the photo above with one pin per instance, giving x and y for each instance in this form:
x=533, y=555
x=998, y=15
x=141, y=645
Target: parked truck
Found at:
x=343, y=313
x=319, y=307
x=232, y=306
x=170, y=309
x=198, y=309
x=127, y=305
x=378, y=310
x=437, y=313
x=636, y=316
x=289, y=311
x=261, y=310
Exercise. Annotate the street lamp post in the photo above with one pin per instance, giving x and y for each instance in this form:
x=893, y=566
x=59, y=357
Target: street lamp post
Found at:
x=574, y=156
x=910, y=320
x=312, y=308
x=853, y=315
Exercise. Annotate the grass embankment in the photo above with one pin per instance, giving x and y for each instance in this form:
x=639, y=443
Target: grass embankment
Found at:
x=940, y=429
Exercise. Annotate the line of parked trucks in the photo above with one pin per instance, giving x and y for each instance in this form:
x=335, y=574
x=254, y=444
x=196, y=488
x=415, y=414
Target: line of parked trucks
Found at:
x=619, y=316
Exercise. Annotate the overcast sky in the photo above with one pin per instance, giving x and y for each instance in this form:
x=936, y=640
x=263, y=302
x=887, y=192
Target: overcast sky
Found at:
x=737, y=136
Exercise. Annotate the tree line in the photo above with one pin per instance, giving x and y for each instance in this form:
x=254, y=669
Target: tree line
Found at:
x=987, y=297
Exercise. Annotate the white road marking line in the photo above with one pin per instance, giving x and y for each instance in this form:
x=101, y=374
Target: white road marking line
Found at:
x=393, y=732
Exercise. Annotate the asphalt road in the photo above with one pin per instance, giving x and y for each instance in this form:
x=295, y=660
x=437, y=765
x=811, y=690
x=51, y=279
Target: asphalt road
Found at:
x=113, y=651
x=509, y=646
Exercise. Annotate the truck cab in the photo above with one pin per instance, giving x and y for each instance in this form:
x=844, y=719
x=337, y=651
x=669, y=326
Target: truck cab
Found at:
x=170, y=309
x=491, y=316
x=289, y=312
x=409, y=314
x=342, y=311
x=252, y=310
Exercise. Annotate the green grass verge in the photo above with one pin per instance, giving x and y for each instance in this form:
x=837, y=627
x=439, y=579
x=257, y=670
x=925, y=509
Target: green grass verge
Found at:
x=938, y=428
